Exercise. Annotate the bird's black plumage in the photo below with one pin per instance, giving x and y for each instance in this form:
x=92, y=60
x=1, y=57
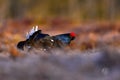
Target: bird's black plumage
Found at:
x=21, y=44
x=64, y=38
x=38, y=35
x=45, y=41
x=31, y=40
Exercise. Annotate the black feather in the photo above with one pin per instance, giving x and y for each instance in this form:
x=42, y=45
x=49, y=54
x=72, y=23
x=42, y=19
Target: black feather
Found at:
x=21, y=44
x=38, y=35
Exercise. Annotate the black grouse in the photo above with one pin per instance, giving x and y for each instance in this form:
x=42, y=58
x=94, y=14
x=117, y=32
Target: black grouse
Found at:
x=37, y=39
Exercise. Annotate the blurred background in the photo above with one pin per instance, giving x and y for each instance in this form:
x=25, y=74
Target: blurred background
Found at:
x=69, y=9
x=94, y=21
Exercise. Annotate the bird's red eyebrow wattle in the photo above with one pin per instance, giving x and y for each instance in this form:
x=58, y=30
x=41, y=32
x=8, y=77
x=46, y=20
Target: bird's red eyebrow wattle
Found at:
x=72, y=34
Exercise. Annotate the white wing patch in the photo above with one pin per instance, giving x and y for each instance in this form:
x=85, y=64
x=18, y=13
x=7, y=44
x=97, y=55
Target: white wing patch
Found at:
x=33, y=30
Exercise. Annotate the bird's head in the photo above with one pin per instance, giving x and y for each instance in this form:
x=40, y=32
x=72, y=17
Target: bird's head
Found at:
x=72, y=35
